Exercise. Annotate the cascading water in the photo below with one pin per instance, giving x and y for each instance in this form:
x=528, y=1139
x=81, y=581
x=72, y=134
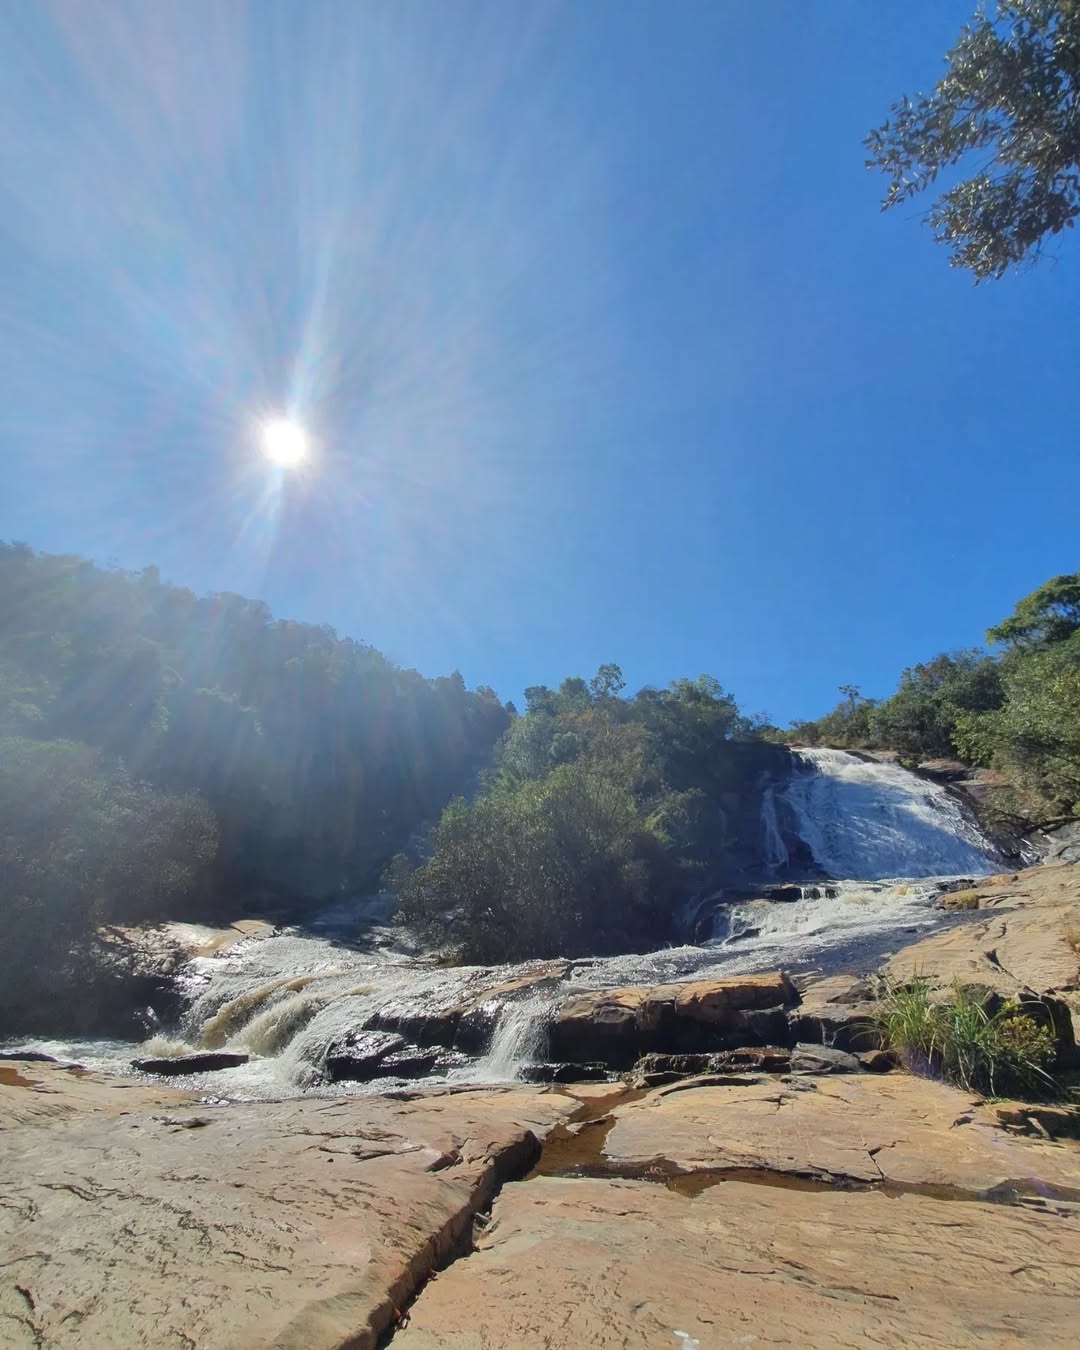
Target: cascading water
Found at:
x=869, y=820
x=881, y=835
x=518, y=1040
x=773, y=849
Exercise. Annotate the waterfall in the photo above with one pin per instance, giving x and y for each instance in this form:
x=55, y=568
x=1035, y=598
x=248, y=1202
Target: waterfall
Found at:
x=288, y=998
x=867, y=820
x=519, y=1038
x=773, y=848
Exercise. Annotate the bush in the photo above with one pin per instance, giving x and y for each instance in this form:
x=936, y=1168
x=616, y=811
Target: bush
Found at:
x=563, y=865
x=966, y=1039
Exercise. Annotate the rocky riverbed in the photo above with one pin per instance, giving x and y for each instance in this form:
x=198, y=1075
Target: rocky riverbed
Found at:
x=723, y=1192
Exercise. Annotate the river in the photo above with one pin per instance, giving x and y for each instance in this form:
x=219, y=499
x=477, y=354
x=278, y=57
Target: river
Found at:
x=882, y=841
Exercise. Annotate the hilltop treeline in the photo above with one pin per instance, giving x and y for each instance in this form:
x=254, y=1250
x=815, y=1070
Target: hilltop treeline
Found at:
x=1014, y=707
x=159, y=750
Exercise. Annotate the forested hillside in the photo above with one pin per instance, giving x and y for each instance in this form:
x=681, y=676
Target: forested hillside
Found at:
x=1014, y=707
x=162, y=752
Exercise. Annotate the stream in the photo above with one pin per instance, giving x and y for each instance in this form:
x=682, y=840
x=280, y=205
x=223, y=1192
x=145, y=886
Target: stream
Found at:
x=882, y=841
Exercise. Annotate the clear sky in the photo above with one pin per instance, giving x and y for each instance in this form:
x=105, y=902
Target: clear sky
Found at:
x=604, y=347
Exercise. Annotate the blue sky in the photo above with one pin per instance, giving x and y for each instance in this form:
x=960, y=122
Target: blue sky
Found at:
x=604, y=347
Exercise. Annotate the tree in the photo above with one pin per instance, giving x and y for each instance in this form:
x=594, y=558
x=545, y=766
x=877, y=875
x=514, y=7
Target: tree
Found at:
x=1011, y=93
x=1051, y=613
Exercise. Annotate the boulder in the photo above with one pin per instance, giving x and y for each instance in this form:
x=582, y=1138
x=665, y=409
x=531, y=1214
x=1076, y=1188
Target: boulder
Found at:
x=818, y=1059
x=384, y=1054
x=617, y=1026
x=878, y=1061
x=784, y=894
x=208, y=1061
x=358, y=1055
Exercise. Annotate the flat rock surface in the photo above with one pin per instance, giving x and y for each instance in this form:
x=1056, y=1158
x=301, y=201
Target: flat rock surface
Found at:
x=628, y=1265
x=1021, y=941
x=859, y=1127
x=298, y=1224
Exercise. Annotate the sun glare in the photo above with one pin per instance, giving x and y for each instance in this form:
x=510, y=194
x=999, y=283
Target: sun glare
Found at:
x=284, y=442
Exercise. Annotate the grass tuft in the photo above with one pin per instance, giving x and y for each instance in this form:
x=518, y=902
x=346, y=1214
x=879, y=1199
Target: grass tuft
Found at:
x=970, y=1039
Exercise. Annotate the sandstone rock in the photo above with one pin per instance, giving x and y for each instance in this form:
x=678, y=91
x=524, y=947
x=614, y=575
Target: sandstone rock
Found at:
x=563, y=1073
x=878, y=1061
x=655, y=1070
x=628, y=1265
x=839, y=1011
x=863, y=1128
x=1022, y=943
x=178, y=1065
x=616, y=1026
x=358, y=1055
x=468, y=1024
x=818, y=1059
x=298, y=1225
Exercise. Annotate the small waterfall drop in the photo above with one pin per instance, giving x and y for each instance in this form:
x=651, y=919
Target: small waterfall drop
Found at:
x=519, y=1038
x=773, y=848
x=868, y=820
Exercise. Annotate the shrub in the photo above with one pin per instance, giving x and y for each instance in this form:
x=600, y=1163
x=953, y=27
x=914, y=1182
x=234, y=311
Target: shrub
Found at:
x=971, y=1039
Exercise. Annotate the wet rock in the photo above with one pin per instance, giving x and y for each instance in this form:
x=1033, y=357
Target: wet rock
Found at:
x=359, y=1055
x=617, y=1026
x=784, y=894
x=817, y=1059
x=207, y=1062
x=29, y=1056
x=414, y=1062
x=385, y=1054
x=563, y=1073
x=468, y=1024
x=656, y=1070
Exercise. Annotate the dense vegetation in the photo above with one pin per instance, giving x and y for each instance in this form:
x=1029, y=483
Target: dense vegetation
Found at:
x=599, y=813
x=161, y=754
x=1015, y=707
x=1007, y=110
x=159, y=750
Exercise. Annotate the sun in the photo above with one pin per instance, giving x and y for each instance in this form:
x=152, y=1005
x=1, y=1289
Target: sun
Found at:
x=284, y=442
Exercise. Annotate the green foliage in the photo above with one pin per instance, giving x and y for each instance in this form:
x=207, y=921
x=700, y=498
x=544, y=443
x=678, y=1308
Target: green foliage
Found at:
x=920, y=719
x=1035, y=735
x=82, y=845
x=972, y=1039
x=562, y=864
x=599, y=810
x=318, y=756
x=1007, y=107
x=1050, y=614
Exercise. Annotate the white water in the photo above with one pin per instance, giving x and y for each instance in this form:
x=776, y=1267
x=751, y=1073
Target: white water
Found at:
x=773, y=848
x=869, y=820
x=883, y=834
x=519, y=1038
